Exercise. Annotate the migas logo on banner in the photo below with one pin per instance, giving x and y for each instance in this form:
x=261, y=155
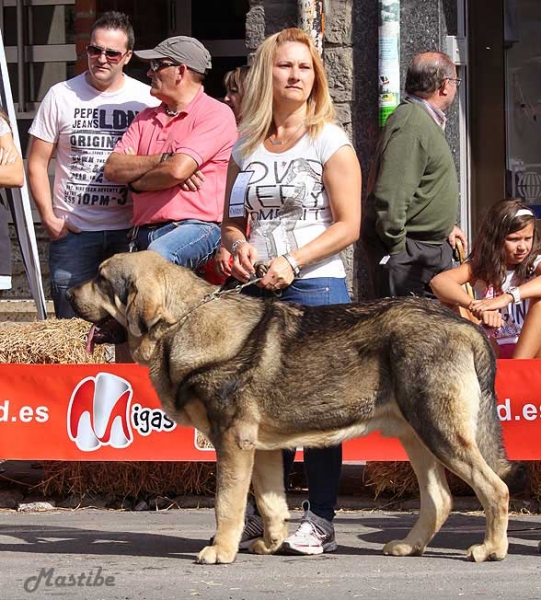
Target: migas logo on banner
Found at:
x=100, y=413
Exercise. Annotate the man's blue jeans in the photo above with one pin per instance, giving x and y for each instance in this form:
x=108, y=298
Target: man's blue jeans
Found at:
x=190, y=243
x=75, y=259
x=322, y=465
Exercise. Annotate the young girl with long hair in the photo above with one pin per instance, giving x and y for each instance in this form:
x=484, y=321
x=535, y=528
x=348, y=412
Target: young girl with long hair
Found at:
x=504, y=258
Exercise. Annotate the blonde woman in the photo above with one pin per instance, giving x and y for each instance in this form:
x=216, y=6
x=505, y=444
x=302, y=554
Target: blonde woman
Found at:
x=294, y=183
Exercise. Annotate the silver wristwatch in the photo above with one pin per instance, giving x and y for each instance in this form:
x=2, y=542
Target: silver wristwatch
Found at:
x=515, y=293
x=292, y=263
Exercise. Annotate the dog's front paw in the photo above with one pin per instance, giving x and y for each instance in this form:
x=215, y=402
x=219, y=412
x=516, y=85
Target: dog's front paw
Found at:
x=276, y=533
x=214, y=555
x=402, y=548
x=482, y=552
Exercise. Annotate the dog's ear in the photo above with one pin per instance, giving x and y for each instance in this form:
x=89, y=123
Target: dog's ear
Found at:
x=144, y=309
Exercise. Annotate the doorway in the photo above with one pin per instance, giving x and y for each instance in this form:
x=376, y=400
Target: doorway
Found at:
x=505, y=83
x=219, y=24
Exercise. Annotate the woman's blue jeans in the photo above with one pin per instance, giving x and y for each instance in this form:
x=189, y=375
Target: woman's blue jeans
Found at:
x=190, y=243
x=322, y=465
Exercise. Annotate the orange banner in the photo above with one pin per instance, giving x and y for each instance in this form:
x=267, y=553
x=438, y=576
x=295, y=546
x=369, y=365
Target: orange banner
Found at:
x=111, y=412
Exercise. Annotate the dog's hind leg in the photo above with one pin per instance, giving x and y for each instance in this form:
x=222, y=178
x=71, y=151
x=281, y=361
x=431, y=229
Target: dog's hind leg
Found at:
x=268, y=482
x=493, y=495
x=435, y=500
x=452, y=439
x=234, y=472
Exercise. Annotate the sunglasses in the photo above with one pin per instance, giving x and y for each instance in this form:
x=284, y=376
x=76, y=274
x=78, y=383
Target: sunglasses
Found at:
x=156, y=65
x=113, y=56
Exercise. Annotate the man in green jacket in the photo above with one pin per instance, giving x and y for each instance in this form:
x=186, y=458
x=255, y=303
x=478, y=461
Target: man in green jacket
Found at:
x=409, y=230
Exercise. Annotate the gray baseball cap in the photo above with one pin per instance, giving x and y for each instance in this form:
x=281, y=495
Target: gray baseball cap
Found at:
x=182, y=49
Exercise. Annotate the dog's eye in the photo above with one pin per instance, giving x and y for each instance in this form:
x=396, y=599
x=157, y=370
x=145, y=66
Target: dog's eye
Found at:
x=102, y=283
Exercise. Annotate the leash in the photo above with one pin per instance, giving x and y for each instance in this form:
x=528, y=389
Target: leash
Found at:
x=261, y=270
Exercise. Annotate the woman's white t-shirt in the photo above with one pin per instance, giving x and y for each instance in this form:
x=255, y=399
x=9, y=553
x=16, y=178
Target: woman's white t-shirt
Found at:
x=286, y=198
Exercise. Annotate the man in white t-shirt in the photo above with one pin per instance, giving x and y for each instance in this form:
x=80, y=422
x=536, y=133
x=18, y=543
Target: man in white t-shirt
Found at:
x=86, y=216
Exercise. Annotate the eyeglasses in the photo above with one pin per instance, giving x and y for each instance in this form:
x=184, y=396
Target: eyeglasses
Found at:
x=113, y=56
x=156, y=65
x=456, y=80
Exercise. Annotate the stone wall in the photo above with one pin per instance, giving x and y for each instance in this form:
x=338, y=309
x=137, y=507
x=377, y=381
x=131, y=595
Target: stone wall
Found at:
x=265, y=17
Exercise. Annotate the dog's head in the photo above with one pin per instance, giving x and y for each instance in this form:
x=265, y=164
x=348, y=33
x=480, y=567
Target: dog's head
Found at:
x=127, y=301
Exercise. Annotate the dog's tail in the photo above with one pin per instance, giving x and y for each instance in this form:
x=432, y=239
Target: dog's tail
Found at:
x=489, y=432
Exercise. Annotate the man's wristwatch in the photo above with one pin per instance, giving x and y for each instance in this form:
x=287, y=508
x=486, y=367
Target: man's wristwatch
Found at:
x=165, y=156
x=515, y=293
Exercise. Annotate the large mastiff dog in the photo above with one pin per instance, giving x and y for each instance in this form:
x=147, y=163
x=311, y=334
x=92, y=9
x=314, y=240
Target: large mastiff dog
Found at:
x=256, y=377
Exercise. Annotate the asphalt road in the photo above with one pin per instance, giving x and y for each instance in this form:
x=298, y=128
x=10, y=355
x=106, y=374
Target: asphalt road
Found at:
x=111, y=555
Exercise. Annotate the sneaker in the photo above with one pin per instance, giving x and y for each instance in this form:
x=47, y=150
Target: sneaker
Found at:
x=253, y=530
x=313, y=536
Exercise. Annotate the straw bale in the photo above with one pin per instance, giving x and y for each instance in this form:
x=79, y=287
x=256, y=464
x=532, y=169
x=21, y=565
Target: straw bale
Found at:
x=53, y=341
x=133, y=479
x=398, y=480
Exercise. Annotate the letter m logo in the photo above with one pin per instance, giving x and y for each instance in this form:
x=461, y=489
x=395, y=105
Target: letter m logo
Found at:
x=98, y=413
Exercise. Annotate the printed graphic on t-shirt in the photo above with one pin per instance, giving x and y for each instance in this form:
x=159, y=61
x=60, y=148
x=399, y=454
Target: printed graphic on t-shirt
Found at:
x=280, y=197
x=95, y=131
x=513, y=316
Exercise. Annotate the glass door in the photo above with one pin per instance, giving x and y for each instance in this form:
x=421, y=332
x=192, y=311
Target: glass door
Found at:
x=523, y=100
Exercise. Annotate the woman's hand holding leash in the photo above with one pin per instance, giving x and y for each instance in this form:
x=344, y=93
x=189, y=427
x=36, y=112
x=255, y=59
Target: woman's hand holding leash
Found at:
x=279, y=275
x=244, y=259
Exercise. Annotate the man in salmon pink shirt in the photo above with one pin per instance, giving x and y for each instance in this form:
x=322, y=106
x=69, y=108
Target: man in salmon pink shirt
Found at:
x=174, y=157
